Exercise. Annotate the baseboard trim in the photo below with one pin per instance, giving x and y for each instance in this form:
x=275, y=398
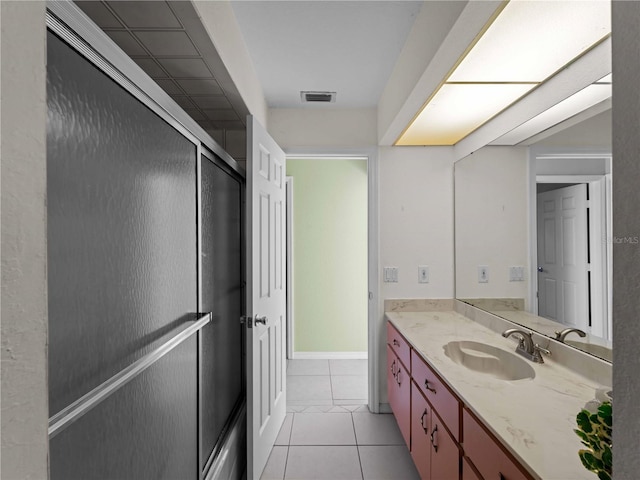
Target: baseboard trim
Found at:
x=330, y=356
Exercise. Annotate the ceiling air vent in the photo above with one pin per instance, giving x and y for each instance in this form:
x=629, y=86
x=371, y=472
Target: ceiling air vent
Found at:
x=318, y=97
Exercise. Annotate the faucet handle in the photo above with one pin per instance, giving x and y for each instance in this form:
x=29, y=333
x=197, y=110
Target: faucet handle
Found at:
x=537, y=350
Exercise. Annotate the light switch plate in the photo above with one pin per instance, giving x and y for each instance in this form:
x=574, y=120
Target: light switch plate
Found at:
x=516, y=274
x=423, y=274
x=390, y=274
x=483, y=274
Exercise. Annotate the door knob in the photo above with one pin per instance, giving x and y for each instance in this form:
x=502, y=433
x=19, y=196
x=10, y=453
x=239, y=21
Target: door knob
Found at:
x=250, y=321
x=540, y=269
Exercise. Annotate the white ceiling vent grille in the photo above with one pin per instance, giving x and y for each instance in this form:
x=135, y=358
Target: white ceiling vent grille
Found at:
x=318, y=97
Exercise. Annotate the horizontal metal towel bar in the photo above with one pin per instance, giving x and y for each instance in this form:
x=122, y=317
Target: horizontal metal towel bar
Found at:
x=73, y=412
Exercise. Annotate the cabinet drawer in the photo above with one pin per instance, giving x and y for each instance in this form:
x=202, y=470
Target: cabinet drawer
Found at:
x=442, y=399
x=399, y=393
x=486, y=453
x=399, y=345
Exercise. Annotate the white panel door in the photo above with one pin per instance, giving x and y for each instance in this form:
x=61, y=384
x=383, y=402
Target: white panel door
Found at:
x=266, y=296
x=562, y=256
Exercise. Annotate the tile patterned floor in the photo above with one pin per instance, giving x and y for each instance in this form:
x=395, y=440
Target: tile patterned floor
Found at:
x=329, y=433
x=326, y=383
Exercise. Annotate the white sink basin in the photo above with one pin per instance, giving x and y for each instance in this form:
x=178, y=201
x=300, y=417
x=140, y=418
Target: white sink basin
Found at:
x=490, y=360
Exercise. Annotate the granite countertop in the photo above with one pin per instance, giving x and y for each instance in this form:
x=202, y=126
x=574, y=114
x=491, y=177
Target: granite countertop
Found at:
x=533, y=418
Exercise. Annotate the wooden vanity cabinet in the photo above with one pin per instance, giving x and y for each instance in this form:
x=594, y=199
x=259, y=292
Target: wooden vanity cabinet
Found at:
x=399, y=393
x=447, y=442
x=434, y=451
x=486, y=453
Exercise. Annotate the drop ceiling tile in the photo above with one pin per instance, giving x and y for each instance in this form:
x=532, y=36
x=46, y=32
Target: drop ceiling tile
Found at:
x=150, y=67
x=167, y=43
x=227, y=114
x=100, y=14
x=127, y=42
x=201, y=86
x=183, y=101
x=196, y=114
x=145, y=14
x=185, y=68
x=169, y=86
x=212, y=101
x=216, y=134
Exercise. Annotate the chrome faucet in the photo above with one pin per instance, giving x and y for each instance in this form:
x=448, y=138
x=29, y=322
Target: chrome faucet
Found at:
x=560, y=336
x=526, y=347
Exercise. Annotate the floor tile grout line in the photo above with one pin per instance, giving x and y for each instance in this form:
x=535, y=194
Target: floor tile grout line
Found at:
x=355, y=432
x=293, y=419
x=360, y=461
x=286, y=460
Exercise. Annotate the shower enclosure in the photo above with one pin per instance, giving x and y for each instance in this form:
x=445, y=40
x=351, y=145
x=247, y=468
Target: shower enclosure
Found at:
x=145, y=273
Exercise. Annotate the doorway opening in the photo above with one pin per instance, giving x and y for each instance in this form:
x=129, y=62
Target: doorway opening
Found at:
x=328, y=281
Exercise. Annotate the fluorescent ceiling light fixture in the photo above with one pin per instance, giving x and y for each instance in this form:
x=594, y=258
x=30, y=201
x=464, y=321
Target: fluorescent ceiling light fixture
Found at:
x=527, y=43
x=531, y=40
x=441, y=121
x=576, y=103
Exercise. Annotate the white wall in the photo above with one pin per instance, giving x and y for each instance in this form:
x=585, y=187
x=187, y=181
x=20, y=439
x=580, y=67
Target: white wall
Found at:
x=24, y=251
x=626, y=222
x=416, y=227
x=321, y=128
x=491, y=202
x=594, y=132
x=221, y=25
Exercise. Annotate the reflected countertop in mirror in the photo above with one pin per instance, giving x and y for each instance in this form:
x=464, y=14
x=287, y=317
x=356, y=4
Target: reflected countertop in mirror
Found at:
x=500, y=224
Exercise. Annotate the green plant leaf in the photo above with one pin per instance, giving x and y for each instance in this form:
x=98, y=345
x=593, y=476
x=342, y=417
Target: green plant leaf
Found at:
x=605, y=414
x=583, y=454
x=602, y=475
x=583, y=421
x=607, y=458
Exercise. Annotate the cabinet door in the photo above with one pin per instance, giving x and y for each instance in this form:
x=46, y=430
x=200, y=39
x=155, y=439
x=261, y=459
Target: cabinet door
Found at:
x=420, y=431
x=445, y=454
x=486, y=453
x=468, y=471
x=392, y=388
x=399, y=392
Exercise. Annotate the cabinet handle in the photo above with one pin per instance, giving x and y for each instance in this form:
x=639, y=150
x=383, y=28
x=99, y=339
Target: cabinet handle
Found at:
x=424, y=427
x=502, y=477
x=398, y=377
x=393, y=368
x=434, y=438
x=426, y=385
x=396, y=343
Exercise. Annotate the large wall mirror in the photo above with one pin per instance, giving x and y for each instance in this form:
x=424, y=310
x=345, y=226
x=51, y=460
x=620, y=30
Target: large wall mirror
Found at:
x=532, y=233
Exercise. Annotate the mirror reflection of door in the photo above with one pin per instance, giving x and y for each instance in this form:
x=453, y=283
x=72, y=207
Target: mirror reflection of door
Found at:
x=563, y=255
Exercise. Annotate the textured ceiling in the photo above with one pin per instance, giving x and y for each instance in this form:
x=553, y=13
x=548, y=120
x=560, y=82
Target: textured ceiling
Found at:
x=167, y=40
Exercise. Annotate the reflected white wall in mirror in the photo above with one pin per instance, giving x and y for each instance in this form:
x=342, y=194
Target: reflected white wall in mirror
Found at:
x=491, y=200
